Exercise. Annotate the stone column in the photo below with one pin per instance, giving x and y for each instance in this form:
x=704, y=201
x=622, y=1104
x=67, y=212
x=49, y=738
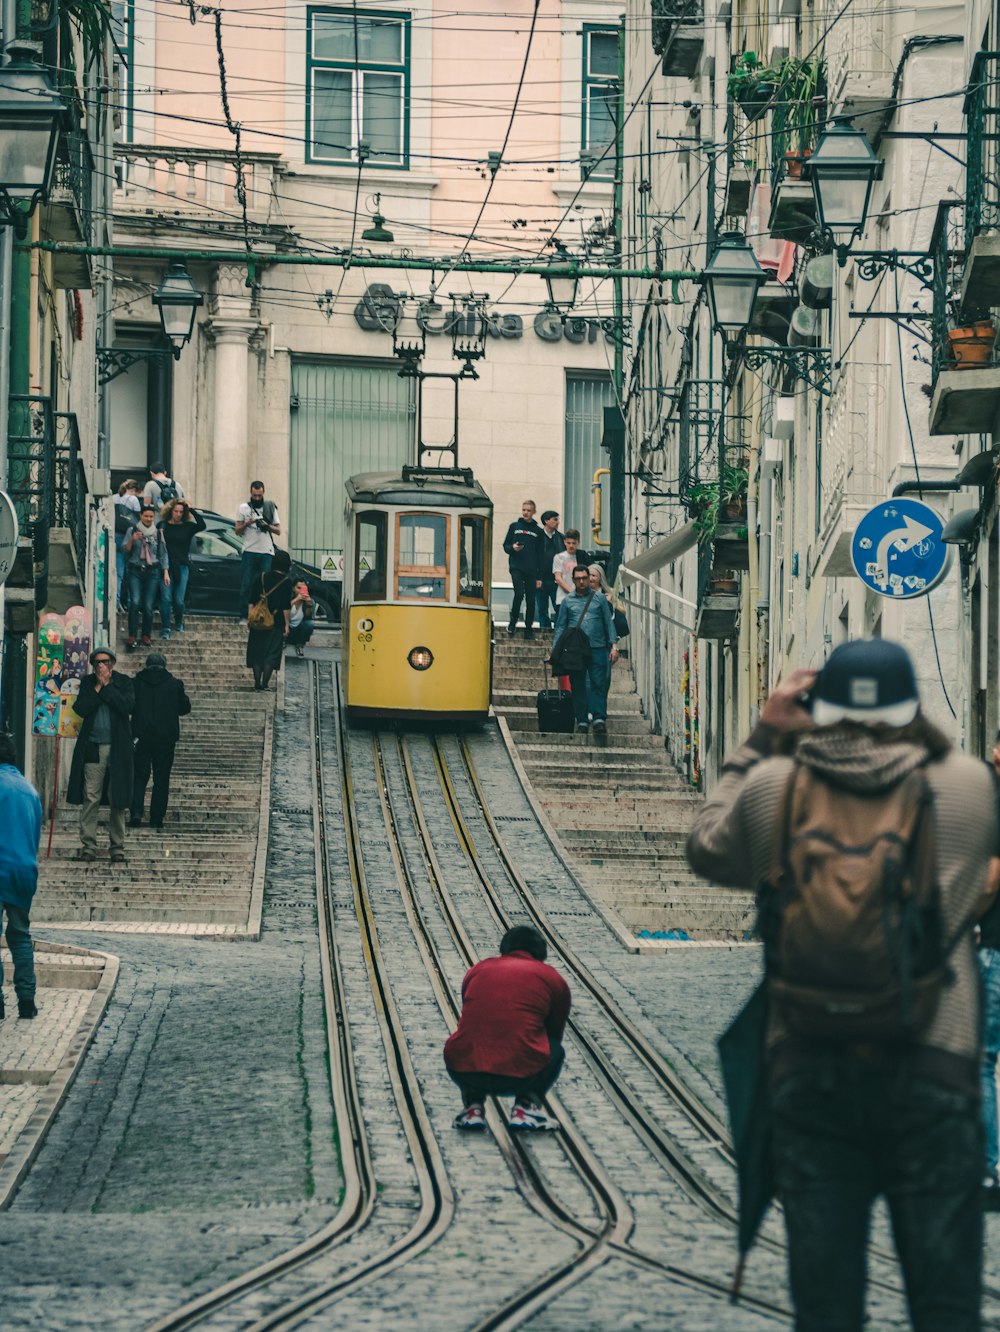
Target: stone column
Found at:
x=230, y=329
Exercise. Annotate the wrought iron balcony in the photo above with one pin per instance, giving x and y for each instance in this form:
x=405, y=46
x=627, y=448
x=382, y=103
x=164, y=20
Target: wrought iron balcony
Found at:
x=679, y=35
x=965, y=357
x=47, y=483
x=69, y=211
x=700, y=418
x=981, y=280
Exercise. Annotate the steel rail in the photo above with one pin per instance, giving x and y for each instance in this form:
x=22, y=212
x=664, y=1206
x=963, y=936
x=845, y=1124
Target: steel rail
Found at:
x=718, y=1135
x=584, y=1160
x=437, y=1204
x=359, y=1197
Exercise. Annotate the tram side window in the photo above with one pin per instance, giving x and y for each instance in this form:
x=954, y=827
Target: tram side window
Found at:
x=370, y=545
x=472, y=559
x=422, y=556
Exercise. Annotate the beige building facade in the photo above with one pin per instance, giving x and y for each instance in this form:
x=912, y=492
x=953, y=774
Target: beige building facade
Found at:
x=404, y=114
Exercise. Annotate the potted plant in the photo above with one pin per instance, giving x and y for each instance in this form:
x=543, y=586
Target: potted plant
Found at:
x=703, y=506
x=970, y=346
x=751, y=84
x=735, y=481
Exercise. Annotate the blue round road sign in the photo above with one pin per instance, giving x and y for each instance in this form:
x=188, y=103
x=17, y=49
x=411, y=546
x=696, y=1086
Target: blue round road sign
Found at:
x=897, y=549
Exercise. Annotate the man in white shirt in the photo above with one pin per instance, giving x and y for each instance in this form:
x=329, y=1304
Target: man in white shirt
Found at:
x=257, y=522
x=564, y=563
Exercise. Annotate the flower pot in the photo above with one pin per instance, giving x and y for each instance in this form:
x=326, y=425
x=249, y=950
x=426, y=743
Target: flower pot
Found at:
x=793, y=163
x=735, y=509
x=724, y=586
x=755, y=99
x=971, y=347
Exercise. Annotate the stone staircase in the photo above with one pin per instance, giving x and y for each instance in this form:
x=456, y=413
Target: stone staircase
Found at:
x=619, y=806
x=199, y=871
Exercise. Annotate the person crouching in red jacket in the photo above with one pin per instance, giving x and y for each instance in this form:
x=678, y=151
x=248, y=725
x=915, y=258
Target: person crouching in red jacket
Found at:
x=508, y=1039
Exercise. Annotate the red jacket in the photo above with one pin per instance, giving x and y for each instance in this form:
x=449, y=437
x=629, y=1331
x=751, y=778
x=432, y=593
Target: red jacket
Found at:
x=511, y=1006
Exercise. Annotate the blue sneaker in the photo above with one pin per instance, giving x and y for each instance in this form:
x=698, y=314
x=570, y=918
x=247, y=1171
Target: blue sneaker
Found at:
x=165, y=635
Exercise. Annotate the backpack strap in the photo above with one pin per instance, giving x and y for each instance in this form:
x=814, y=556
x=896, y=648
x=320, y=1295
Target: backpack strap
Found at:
x=783, y=837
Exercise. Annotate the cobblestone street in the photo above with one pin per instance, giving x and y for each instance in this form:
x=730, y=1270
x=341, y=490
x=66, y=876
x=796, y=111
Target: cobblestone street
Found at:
x=198, y=1140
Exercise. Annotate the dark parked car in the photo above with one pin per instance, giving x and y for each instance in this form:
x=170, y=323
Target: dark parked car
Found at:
x=214, y=583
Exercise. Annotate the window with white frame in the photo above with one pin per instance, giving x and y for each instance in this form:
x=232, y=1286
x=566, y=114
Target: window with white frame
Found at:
x=599, y=100
x=358, y=86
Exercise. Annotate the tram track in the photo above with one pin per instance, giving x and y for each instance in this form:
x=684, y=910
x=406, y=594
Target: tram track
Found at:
x=613, y=1239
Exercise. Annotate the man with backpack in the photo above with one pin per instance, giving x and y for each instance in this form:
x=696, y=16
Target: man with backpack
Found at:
x=583, y=647
x=160, y=488
x=257, y=522
x=869, y=840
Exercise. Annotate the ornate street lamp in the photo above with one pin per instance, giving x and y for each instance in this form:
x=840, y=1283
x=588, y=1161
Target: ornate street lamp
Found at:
x=733, y=278
x=31, y=116
x=842, y=170
x=177, y=299
x=562, y=287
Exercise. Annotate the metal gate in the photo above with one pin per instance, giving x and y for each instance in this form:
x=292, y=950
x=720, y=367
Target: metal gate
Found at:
x=586, y=398
x=346, y=418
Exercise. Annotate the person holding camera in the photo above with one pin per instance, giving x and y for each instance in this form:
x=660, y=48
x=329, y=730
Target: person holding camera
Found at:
x=258, y=523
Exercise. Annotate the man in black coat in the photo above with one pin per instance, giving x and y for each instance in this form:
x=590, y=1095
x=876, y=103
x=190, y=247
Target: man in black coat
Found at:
x=160, y=702
x=102, y=760
x=523, y=544
x=553, y=544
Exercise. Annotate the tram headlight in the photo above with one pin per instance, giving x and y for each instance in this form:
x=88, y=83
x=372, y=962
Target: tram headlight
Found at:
x=420, y=658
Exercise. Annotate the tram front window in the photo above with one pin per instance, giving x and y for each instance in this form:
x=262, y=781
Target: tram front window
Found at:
x=370, y=544
x=472, y=559
x=422, y=556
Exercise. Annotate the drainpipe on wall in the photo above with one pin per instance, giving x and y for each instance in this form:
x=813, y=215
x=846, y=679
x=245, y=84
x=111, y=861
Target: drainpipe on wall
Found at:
x=618, y=456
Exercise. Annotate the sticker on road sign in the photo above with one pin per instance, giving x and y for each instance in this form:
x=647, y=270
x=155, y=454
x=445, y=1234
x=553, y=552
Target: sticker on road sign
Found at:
x=897, y=549
x=331, y=568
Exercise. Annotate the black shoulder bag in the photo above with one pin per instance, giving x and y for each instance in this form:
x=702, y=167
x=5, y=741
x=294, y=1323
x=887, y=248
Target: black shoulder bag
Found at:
x=573, y=651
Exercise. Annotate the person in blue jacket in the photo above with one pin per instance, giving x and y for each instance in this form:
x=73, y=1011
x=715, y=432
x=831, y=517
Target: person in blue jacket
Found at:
x=21, y=821
x=592, y=612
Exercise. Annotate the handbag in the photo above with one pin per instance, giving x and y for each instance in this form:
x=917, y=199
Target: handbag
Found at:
x=621, y=623
x=573, y=651
x=261, y=615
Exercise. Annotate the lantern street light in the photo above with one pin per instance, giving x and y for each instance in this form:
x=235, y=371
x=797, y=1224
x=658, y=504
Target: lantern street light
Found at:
x=378, y=231
x=562, y=286
x=842, y=171
x=177, y=299
x=31, y=116
x=733, y=278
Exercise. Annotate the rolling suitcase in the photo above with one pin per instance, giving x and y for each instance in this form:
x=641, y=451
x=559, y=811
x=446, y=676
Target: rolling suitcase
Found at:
x=555, y=710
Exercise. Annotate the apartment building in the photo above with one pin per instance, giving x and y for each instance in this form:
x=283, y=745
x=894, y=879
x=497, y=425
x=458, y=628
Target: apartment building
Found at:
x=754, y=456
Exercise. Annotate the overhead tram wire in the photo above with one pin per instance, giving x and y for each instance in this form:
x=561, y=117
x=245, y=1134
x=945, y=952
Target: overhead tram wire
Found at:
x=506, y=139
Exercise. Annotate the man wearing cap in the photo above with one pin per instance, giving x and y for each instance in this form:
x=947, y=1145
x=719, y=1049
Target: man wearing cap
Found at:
x=160, y=702
x=853, y=1120
x=102, y=759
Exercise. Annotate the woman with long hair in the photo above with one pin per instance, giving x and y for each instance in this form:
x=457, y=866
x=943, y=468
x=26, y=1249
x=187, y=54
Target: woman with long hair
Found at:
x=180, y=524
x=265, y=643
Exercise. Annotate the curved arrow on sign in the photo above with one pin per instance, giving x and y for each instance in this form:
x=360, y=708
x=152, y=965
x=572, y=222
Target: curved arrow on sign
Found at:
x=906, y=537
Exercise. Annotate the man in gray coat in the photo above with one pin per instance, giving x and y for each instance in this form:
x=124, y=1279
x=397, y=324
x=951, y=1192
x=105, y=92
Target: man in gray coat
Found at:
x=858, y=1117
x=102, y=759
x=591, y=611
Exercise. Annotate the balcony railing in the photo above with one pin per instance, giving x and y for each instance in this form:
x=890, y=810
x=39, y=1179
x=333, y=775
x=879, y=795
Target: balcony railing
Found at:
x=698, y=436
x=46, y=479
x=200, y=181
x=75, y=172
x=982, y=116
x=859, y=56
x=678, y=35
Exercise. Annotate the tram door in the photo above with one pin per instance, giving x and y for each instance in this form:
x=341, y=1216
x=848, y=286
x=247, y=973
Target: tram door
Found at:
x=345, y=419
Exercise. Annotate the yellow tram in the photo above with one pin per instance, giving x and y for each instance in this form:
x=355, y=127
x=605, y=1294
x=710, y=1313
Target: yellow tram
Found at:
x=416, y=616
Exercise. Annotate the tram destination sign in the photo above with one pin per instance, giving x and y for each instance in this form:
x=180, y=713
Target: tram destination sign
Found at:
x=376, y=313
x=897, y=549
